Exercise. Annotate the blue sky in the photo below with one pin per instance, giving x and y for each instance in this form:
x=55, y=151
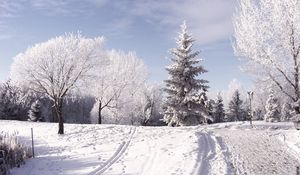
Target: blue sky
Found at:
x=148, y=27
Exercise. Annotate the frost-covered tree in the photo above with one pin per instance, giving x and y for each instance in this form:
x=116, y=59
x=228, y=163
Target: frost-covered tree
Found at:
x=152, y=97
x=209, y=105
x=272, y=109
x=57, y=66
x=14, y=102
x=118, y=82
x=181, y=106
x=235, y=108
x=267, y=35
x=35, y=113
x=286, y=112
x=218, y=110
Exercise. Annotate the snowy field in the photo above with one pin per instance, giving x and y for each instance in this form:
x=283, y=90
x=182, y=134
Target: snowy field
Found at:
x=228, y=148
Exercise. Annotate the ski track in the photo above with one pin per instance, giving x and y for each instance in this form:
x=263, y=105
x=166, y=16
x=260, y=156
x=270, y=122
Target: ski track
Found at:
x=213, y=155
x=117, y=155
x=152, y=154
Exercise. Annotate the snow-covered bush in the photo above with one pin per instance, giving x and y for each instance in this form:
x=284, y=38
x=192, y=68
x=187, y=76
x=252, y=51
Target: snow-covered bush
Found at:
x=272, y=109
x=15, y=153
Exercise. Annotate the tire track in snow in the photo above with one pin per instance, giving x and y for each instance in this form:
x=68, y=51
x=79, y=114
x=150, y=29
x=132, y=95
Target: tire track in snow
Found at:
x=117, y=155
x=213, y=156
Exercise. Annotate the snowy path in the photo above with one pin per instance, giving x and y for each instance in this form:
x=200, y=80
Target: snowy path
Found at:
x=231, y=148
x=213, y=156
x=258, y=152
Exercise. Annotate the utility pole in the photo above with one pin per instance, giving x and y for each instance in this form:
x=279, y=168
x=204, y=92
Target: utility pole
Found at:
x=32, y=143
x=250, y=94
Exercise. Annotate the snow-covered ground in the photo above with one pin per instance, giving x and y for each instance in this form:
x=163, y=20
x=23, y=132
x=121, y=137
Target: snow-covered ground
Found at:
x=227, y=148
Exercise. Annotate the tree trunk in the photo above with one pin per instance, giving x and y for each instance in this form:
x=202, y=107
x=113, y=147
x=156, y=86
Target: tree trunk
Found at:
x=54, y=115
x=296, y=67
x=58, y=107
x=296, y=76
x=99, y=113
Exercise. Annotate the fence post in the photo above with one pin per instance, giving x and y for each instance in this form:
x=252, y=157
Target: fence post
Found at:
x=32, y=143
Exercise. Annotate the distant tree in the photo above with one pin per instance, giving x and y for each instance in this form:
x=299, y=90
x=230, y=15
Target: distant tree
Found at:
x=181, y=106
x=57, y=66
x=151, y=105
x=117, y=82
x=14, y=102
x=35, y=113
x=218, y=110
x=286, y=112
x=272, y=109
x=209, y=105
x=235, y=110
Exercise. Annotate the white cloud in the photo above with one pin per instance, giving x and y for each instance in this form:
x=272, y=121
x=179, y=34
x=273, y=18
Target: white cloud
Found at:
x=8, y=8
x=209, y=21
x=59, y=7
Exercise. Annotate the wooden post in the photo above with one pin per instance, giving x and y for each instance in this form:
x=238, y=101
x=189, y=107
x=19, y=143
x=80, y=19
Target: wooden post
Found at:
x=32, y=143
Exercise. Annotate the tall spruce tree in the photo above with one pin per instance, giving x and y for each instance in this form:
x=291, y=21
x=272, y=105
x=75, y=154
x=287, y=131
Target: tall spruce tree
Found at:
x=218, y=110
x=235, y=109
x=184, y=90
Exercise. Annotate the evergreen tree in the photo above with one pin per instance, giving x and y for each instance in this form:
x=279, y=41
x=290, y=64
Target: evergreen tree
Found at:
x=35, y=112
x=183, y=106
x=235, y=109
x=210, y=110
x=218, y=110
x=272, y=109
x=286, y=112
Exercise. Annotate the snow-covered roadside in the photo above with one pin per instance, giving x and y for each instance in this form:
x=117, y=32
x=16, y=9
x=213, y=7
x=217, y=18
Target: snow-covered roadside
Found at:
x=292, y=140
x=258, y=150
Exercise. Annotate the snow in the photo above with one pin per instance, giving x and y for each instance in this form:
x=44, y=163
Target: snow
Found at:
x=226, y=148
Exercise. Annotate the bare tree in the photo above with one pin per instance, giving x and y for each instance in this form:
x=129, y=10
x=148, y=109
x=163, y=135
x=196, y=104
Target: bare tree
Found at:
x=57, y=66
x=267, y=35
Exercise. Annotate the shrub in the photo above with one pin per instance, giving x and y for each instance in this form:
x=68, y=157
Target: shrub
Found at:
x=15, y=153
